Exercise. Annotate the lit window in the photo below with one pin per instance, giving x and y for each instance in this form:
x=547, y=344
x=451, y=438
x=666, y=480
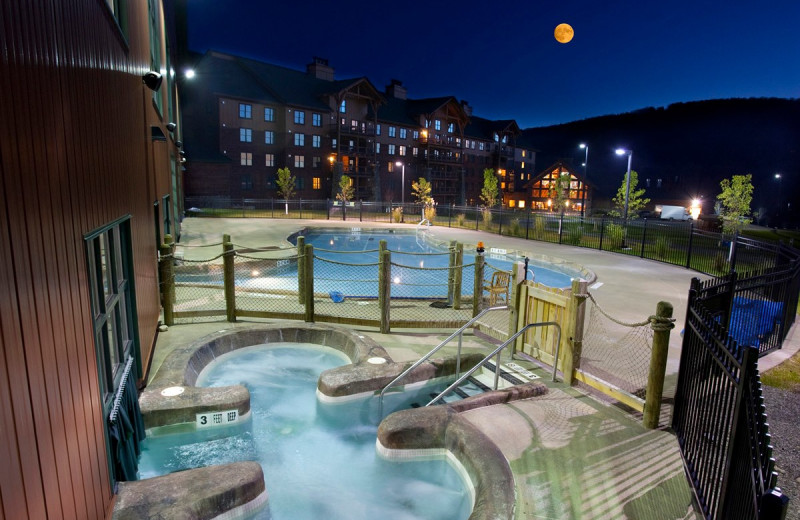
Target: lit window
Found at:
x=392, y=131
x=377, y=129
x=403, y=133
x=245, y=111
x=473, y=145
x=316, y=141
x=269, y=137
x=245, y=135
x=390, y=166
x=299, y=117
x=523, y=164
x=316, y=183
x=451, y=127
x=270, y=159
x=299, y=161
x=246, y=159
x=343, y=106
x=269, y=114
x=415, y=151
x=481, y=146
x=316, y=119
x=512, y=203
x=402, y=150
x=391, y=149
x=299, y=139
x=377, y=147
x=523, y=154
x=522, y=204
x=416, y=134
x=437, y=124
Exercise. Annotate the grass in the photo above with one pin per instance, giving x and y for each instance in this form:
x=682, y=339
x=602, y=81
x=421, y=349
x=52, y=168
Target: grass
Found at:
x=785, y=376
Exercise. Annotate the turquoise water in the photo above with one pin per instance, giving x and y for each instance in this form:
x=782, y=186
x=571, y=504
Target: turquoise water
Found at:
x=319, y=460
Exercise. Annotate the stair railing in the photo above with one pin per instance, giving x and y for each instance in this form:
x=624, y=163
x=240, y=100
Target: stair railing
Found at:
x=458, y=333
x=496, y=352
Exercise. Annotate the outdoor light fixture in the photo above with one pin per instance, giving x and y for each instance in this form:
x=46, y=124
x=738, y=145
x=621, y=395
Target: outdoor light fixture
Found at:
x=403, y=181
x=182, y=153
x=152, y=80
x=629, y=153
x=179, y=144
x=584, y=146
x=189, y=74
x=171, y=127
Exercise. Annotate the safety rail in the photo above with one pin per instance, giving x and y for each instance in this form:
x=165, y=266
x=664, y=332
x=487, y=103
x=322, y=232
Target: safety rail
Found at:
x=423, y=221
x=496, y=352
x=459, y=332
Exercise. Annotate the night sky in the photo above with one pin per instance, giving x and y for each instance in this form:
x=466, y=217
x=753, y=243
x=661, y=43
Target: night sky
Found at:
x=503, y=59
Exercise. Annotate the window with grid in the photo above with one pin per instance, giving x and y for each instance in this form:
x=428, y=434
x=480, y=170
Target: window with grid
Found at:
x=299, y=117
x=299, y=161
x=403, y=133
x=316, y=141
x=246, y=135
x=316, y=183
x=269, y=137
x=299, y=139
x=270, y=159
x=392, y=131
x=269, y=114
x=246, y=159
x=245, y=111
x=391, y=149
x=247, y=182
x=316, y=119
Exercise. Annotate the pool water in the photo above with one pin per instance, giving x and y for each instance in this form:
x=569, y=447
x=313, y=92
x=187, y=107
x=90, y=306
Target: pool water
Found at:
x=319, y=460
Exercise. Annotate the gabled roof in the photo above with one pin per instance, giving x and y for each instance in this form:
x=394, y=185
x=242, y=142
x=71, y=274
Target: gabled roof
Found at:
x=481, y=128
x=565, y=166
x=408, y=111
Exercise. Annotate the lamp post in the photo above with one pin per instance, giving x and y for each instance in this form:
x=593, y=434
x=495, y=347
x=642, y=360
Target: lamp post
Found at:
x=402, y=182
x=629, y=153
x=779, y=178
x=585, y=147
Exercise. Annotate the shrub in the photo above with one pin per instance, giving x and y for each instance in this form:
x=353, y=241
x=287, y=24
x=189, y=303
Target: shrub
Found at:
x=515, y=228
x=461, y=219
x=397, y=214
x=615, y=234
x=538, y=225
x=573, y=235
x=662, y=247
x=430, y=213
x=486, y=214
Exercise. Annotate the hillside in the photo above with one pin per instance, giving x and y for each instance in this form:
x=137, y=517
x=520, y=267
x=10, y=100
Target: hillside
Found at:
x=690, y=147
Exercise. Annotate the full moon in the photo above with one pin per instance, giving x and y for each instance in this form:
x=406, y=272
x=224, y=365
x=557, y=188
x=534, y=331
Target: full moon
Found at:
x=564, y=32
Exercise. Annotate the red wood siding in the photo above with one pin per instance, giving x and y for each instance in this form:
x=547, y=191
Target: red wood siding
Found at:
x=75, y=154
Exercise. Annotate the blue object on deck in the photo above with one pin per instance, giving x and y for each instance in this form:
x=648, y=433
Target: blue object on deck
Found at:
x=753, y=320
x=336, y=296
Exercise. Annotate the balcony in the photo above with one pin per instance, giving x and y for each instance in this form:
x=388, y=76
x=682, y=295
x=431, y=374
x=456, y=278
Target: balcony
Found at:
x=364, y=150
x=365, y=130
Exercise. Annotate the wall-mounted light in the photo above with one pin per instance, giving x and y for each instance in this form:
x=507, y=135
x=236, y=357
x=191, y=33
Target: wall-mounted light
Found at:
x=171, y=127
x=179, y=144
x=182, y=153
x=183, y=160
x=152, y=80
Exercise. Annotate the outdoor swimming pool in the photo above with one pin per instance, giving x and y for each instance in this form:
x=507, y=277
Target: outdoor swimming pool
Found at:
x=319, y=460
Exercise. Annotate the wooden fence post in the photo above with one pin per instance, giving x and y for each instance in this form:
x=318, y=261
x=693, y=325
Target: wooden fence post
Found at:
x=308, y=285
x=166, y=272
x=301, y=271
x=384, y=286
x=458, y=275
x=230, y=280
x=477, y=291
x=658, y=364
x=517, y=277
x=573, y=333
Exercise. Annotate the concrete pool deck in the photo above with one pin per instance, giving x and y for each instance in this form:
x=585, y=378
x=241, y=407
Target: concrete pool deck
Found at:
x=572, y=456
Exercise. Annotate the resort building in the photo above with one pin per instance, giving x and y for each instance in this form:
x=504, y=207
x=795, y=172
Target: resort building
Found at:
x=245, y=119
x=91, y=183
x=542, y=190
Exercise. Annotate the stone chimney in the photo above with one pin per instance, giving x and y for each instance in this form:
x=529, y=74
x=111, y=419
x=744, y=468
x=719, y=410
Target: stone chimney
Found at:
x=320, y=69
x=396, y=89
x=466, y=107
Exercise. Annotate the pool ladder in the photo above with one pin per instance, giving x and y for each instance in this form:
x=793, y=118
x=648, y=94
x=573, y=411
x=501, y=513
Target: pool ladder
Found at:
x=459, y=333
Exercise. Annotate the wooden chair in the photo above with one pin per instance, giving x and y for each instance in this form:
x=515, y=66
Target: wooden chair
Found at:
x=498, y=287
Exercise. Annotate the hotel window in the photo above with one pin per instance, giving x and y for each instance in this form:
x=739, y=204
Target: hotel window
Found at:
x=451, y=127
x=403, y=133
x=377, y=147
x=391, y=149
x=390, y=166
x=402, y=150
x=245, y=111
x=246, y=159
x=458, y=142
x=316, y=183
x=316, y=119
x=269, y=137
x=354, y=124
x=269, y=114
x=299, y=117
x=466, y=143
x=521, y=204
x=299, y=139
x=523, y=166
x=416, y=134
x=415, y=151
x=377, y=129
x=270, y=159
x=247, y=182
x=316, y=141
x=299, y=183
x=299, y=161
x=437, y=124
x=109, y=263
x=427, y=123
x=246, y=135
x=512, y=203
x=481, y=146
x=316, y=161
x=333, y=143
x=523, y=154
x=343, y=106
x=473, y=145
x=392, y=131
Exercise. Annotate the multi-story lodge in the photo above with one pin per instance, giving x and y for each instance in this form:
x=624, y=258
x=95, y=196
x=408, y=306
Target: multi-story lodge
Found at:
x=245, y=119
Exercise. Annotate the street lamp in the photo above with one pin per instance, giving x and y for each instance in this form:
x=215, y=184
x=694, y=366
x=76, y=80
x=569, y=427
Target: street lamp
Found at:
x=402, y=181
x=585, y=147
x=629, y=153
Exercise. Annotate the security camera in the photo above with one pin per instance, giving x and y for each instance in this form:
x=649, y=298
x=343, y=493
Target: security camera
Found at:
x=152, y=80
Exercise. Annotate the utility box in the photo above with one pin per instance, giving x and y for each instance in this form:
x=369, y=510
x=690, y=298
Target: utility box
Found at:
x=673, y=212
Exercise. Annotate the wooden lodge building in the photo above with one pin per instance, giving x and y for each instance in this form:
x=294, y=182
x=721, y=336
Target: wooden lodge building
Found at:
x=91, y=182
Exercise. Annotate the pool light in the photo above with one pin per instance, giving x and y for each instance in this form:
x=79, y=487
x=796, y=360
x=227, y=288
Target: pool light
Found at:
x=376, y=360
x=255, y=272
x=396, y=279
x=172, y=391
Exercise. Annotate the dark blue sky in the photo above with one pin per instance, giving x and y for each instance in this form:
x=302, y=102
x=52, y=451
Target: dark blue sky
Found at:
x=503, y=59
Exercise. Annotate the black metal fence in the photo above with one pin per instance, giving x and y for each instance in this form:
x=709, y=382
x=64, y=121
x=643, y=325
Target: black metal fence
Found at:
x=762, y=310
x=719, y=415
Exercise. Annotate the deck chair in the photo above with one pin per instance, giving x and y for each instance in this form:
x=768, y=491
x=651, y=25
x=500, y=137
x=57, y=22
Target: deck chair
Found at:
x=498, y=287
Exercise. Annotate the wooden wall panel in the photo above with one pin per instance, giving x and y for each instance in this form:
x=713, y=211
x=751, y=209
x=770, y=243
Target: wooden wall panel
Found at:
x=75, y=154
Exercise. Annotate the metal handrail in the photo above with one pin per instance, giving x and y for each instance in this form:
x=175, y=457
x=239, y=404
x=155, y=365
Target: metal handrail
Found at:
x=459, y=332
x=497, y=362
